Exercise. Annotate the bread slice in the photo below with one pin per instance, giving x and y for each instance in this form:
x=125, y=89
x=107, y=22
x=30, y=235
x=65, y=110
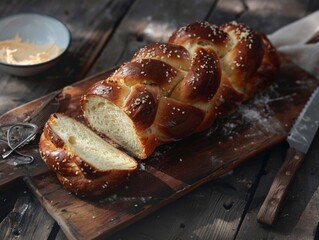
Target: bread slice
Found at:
x=84, y=163
x=113, y=122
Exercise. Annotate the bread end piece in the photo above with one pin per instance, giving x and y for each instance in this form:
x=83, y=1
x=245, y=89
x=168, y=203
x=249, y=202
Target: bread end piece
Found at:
x=85, y=164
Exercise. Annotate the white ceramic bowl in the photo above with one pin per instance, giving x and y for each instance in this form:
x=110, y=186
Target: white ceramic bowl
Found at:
x=38, y=29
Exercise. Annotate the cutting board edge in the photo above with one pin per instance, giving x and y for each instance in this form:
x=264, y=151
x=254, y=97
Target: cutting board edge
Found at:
x=72, y=233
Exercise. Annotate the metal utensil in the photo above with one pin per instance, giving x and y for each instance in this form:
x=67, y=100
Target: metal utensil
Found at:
x=32, y=123
x=299, y=140
x=23, y=142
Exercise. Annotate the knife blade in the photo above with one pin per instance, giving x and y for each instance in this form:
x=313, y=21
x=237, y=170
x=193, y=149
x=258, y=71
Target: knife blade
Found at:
x=299, y=139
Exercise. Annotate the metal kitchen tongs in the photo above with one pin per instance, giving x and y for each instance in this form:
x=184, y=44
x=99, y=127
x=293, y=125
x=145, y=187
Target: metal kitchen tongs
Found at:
x=16, y=135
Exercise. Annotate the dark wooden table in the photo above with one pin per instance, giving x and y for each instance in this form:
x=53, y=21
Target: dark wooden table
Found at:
x=107, y=33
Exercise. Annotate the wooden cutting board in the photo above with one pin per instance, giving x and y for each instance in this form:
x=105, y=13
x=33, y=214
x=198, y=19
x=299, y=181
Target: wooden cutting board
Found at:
x=174, y=169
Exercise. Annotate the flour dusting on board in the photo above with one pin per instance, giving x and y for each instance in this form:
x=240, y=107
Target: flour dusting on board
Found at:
x=140, y=201
x=256, y=110
x=255, y=115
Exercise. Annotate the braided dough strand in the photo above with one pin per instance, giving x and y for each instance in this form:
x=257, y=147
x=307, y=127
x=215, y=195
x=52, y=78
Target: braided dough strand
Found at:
x=171, y=90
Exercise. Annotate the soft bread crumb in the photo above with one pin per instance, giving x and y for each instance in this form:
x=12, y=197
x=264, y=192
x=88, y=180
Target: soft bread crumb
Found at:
x=89, y=146
x=114, y=123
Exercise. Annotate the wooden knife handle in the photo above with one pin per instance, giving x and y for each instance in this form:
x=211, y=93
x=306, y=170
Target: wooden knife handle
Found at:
x=269, y=209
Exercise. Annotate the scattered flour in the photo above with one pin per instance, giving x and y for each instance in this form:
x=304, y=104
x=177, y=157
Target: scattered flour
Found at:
x=255, y=111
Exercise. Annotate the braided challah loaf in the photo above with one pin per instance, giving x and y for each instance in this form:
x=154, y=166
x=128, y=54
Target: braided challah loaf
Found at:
x=169, y=91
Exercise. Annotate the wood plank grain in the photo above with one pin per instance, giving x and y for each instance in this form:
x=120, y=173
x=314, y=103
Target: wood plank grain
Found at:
x=139, y=38
x=212, y=211
x=17, y=224
x=9, y=170
x=85, y=52
x=264, y=16
x=146, y=22
x=257, y=14
x=172, y=172
x=267, y=16
x=8, y=198
x=298, y=219
x=90, y=24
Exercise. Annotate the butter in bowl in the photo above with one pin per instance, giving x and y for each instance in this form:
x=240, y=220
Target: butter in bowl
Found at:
x=31, y=43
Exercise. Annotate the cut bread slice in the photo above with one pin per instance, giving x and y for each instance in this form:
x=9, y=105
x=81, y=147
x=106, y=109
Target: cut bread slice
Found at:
x=85, y=164
x=113, y=122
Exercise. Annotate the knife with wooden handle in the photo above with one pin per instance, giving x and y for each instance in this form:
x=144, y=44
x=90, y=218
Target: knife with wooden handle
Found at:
x=299, y=140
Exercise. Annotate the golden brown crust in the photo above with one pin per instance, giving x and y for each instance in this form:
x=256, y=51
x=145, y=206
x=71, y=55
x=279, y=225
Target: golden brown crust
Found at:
x=245, y=56
x=203, y=34
x=74, y=173
x=141, y=105
x=201, y=81
x=110, y=90
x=174, y=55
x=85, y=187
x=176, y=120
x=149, y=142
x=204, y=71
